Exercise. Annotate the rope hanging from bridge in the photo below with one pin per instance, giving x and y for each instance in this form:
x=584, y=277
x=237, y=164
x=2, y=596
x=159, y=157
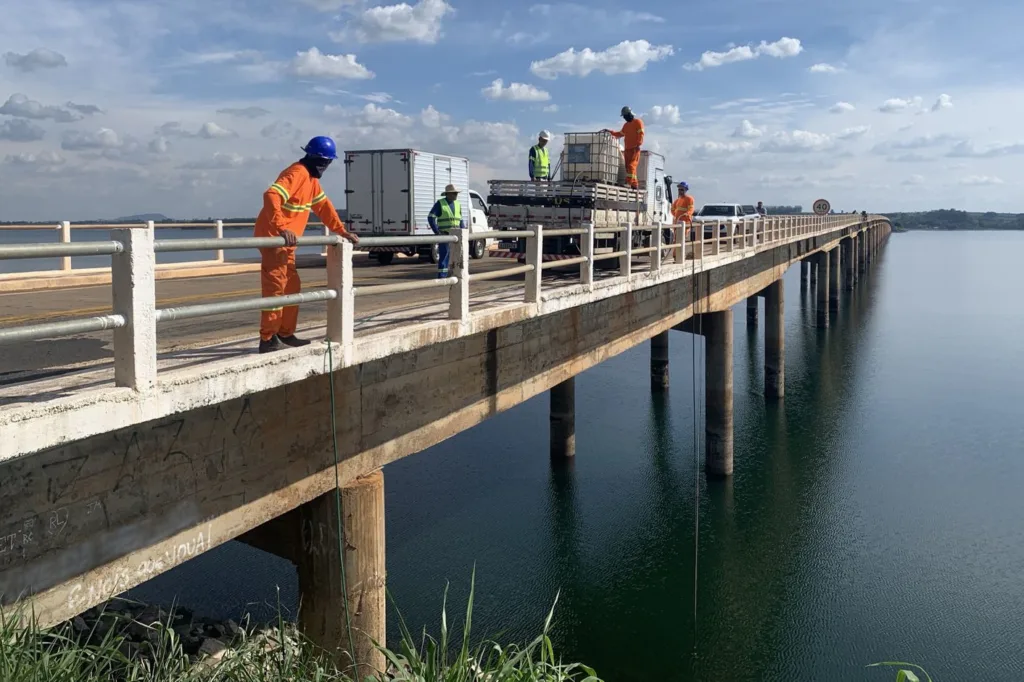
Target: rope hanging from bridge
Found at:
x=338, y=511
x=697, y=411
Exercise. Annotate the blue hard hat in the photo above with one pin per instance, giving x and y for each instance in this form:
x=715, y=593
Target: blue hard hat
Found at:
x=321, y=146
x=683, y=185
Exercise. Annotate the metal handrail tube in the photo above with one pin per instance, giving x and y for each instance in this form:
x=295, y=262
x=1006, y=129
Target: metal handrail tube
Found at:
x=404, y=286
x=166, y=245
x=503, y=234
x=407, y=241
x=48, y=250
x=565, y=232
x=606, y=256
x=609, y=230
x=568, y=261
x=504, y=272
x=31, y=332
x=646, y=249
x=221, y=307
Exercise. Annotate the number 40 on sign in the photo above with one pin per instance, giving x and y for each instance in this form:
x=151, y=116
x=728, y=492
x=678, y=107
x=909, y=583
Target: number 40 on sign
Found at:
x=821, y=207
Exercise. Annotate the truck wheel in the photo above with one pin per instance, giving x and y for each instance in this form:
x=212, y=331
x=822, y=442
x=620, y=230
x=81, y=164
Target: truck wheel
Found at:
x=385, y=258
x=479, y=248
x=435, y=254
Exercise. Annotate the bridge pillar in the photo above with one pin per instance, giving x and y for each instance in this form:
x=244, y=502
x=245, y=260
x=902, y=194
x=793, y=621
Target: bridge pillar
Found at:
x=821, y=259
x=322, y=598
x=659, y=362
x=562, y=419
x=849, y=262
x=834, y=283
x=774, y=341
x=812, y=266
x=752, y=311
x=862, y=250
x=717, y=328
x=805, y=268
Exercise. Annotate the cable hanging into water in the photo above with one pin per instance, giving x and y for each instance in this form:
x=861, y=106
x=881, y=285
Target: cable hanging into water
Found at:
x=697, y=327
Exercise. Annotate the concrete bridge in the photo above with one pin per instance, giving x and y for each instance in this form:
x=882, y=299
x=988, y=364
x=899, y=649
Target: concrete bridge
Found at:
x=114, y=472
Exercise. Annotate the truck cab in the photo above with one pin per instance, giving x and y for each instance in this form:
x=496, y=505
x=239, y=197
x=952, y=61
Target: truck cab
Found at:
x=479, y=213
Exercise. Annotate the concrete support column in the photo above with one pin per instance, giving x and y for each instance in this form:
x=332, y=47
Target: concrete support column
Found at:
x=805, y=268
x=322, y=607
x=862, y=247
x=659, y=362
x=834, y=282
x=563, y=419
x=822, y=297
x=718, y=435
x=774, y=341
x=812, y=266
x=849, y=263
x=752, y=311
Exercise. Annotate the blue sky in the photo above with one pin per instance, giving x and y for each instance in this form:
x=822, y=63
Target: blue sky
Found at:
x=190, y=108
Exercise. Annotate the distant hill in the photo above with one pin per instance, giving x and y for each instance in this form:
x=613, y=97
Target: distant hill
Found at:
x=142, y=217
x=951, y=219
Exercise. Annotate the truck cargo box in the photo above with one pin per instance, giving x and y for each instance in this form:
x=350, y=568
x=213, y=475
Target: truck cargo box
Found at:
x=596, y=157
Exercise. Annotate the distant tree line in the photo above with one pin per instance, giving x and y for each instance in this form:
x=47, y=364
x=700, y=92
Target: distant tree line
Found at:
x=784, y=210
x=952, y=219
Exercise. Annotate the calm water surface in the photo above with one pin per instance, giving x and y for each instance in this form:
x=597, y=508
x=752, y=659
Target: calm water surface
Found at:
x=875, y=515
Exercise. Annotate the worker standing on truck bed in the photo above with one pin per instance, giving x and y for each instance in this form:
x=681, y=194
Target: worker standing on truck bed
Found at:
x=633, y=131
x=445, y=216
x=682, y=209
x=286, y=207
x=540, y=164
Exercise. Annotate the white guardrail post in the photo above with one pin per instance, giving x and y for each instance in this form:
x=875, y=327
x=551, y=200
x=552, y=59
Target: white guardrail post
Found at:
x=220, y=235
x=587, y=268
x=534, y=257
x=341, y=310
x=133, y=279
x=458, y=293
x=656, y=245
x=626, y=260
x=65, y=238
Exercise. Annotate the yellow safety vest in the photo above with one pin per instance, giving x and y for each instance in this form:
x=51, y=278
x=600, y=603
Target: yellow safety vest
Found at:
x=541, y=162
x=451, y=216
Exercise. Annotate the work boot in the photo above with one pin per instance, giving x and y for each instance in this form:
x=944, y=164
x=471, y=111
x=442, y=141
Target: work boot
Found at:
x=293, y=341
x=271, y=344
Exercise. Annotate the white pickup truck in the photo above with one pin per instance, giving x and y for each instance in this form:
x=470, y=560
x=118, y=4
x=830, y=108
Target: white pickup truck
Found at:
x=729, y=216
x=389, y=193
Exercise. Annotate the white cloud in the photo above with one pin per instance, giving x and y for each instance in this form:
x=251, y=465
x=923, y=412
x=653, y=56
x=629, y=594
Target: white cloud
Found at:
x=279, y=129
x=419, y=23
x=21, y=130
x=780, y=49
x=667, y=114
x=712, y=149
x=219, y=161
x=370, y=115
x=514, y=92
x=919, y=142
x=220, y=57
x=244, y=112
x=965, y=149
x=824, y=68
x=913, y=180
x=853, y=133
x=629, y=56
x=787, y=142
x=315, y=64
x=207, y=131
x=746, y=130
x=211, y=130
x=328, y=5
x=39, y=58
x=78, y=140
x=841, y=107
x=980, y=180
x=22, y=107
x=550, y=109
x=87, y=109
x=432, y=118
x=40, y=160
x=943, y=102
x=159, y=145
x=897, y=104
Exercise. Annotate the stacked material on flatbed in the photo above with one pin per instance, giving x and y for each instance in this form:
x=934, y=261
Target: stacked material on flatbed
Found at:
x=581, y=194
x=596, y=157
x=520, y=217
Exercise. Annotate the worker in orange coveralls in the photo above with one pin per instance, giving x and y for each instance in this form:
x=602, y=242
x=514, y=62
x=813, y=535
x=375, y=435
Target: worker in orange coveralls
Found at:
x=682, y=209
x=286, y=207
x=633, y=131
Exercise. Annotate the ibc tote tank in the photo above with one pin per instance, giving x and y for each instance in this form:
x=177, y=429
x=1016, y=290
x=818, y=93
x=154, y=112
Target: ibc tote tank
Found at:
x=592, y=156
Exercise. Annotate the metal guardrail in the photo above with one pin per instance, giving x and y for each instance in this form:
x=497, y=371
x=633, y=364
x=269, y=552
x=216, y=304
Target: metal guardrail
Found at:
x=133, y=262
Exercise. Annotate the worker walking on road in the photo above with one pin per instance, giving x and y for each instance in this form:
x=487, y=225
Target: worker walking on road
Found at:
x=540, y=164
x=286, y=207
x=445, y=216
x=682, y=210
x=633, y=131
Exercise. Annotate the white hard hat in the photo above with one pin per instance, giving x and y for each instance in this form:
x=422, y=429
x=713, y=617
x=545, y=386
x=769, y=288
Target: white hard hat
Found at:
x=545, y=135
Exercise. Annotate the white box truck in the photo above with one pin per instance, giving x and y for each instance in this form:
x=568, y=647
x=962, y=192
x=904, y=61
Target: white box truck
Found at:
x=389, y=193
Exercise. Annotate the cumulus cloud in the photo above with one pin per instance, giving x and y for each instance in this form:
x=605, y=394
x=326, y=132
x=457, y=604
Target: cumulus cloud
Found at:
x=244, y=112
x=86, y=109
x=711, y=148
x=279, y=129
x=39, y=58
x=159, y=145
x=20, y=106
x=629, y=56
x=919, y=142
x=21, y=130
x=787, y=142
x=965, y=149
x=980, y=180
x=550, y=109
x=841, y=107
x=897, y=104
x=667, y=114
x=432, y=118
x=79, y=140
x=207, y=131
x=943, y=102
x=219, y=161
x=514, y=92
x=824, y=68
x=913, y=181
x=314, y=64
x=780, y=49
x=419, y=23
x=747, y=130
x=40, y=160
x=373, y=115
x=852, y=133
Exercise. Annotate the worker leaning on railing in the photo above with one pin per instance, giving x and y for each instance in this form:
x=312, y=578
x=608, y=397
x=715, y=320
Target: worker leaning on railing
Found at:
x=286, y=207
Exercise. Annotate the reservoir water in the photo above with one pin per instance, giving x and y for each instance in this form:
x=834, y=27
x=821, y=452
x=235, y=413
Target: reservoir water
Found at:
x=876, y=514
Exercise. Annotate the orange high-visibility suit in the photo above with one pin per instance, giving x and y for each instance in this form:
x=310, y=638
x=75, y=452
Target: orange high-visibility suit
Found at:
x=286, y=206
x=682, y=209
x=633, y=131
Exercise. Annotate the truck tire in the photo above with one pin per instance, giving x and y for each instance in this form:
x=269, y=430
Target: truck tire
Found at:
x=479, y=249
x=385, y=258
x=435, y=254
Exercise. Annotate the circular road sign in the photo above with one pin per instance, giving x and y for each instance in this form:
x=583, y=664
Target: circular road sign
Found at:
x=822, y=207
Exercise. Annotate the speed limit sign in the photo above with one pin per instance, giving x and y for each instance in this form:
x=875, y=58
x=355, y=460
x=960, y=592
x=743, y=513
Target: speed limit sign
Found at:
x=822, y=207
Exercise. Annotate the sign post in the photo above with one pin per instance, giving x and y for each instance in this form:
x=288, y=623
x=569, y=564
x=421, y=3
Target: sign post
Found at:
x=821, y=207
